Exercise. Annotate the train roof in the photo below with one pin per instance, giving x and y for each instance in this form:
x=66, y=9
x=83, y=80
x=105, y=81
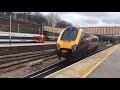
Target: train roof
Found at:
x=95, y=36
x=14, y=33
x=71, y=26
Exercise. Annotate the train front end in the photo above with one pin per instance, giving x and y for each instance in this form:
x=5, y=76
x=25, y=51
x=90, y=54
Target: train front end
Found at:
x=67, y=42
x=40, y=39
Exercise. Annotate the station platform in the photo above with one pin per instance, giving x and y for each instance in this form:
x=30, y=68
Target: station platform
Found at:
x=26, y=44
x=7, y=49
x=105, y=64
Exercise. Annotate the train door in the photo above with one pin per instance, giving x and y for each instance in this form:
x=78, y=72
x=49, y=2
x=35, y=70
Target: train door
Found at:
x=43, y=39
x=90, y=42
x=87, y=36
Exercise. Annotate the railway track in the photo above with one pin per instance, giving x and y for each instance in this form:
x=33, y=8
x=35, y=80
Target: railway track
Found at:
x=53, y=68
x=47, y=70
x=12, y=62
x=9, y=58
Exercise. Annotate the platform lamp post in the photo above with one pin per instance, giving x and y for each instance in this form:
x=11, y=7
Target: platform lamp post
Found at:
x=53, y=32
x=18, y=28
x=39, y=30
x=10, y=29
x=42, y=32
x=42, y=28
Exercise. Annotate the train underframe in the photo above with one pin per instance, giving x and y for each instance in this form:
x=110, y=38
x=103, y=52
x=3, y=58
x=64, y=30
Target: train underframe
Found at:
x=69, y=54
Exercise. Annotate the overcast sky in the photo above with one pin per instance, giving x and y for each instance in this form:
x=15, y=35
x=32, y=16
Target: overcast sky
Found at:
x=90, y=18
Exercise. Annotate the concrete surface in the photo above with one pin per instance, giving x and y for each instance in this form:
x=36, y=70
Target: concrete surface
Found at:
x=110, y=68
x=26, y=44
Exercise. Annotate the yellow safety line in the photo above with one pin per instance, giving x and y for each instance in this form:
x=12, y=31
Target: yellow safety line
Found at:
x=98, y=64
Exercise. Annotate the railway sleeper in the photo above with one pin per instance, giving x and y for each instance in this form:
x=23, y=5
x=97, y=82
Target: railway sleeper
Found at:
x=33, y=66
x=38, y=62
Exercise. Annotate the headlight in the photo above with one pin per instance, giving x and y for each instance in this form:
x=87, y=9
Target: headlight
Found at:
x=58, y=46
x=74, y=47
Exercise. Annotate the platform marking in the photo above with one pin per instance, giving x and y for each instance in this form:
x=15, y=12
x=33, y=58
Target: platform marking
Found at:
x=84, y=76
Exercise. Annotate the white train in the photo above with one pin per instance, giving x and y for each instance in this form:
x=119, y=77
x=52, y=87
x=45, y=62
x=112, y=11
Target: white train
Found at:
x=7, y=37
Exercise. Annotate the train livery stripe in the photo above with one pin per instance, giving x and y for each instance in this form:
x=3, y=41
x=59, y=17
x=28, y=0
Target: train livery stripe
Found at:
x=18, y=42
x=2, y=40
x=16, y=37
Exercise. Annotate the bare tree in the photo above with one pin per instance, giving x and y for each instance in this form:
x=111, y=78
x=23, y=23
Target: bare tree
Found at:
x=2, y=14
x=52, y=19
x=63, y=24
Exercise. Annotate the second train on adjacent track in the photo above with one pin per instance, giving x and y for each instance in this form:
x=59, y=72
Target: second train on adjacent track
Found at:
x=7, y=37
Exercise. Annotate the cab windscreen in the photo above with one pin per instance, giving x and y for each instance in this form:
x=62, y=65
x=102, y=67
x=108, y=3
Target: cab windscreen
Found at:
x=69, y=34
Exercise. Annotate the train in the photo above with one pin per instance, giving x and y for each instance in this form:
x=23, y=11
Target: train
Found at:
x=7, y=37
x=73, y=41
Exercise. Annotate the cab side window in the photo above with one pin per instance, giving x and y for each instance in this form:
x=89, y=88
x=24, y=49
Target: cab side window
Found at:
x=84, y=36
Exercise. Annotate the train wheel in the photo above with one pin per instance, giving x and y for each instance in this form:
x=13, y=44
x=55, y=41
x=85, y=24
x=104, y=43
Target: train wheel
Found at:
x=59, y=57
x=58, y=54
x=67, y=57
x=96, y=48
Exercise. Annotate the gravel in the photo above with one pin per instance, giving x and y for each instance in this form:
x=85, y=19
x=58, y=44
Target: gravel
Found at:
x=19, y=73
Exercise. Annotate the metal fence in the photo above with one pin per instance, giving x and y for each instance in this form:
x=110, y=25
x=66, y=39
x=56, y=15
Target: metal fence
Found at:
x=20, y=29
x=102, y=30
